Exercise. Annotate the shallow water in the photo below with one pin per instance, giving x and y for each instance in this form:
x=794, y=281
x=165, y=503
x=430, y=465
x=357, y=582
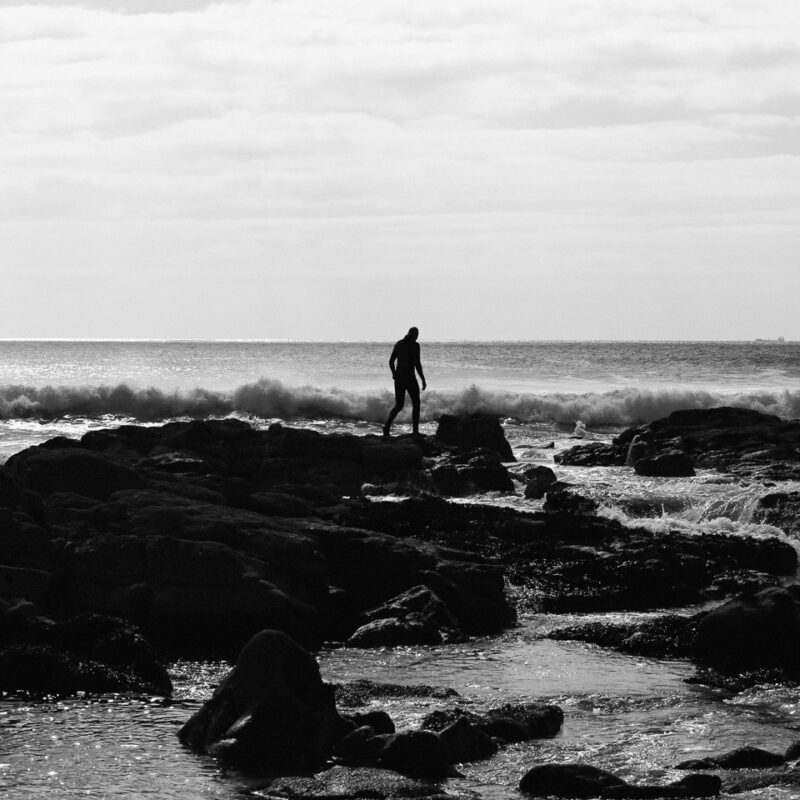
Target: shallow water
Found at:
x=632, y=715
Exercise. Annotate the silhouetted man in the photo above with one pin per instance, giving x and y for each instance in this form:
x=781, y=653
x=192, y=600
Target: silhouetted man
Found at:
x=403, y=362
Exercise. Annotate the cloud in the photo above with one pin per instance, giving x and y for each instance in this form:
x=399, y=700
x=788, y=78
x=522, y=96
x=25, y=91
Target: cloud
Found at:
x=260, y=120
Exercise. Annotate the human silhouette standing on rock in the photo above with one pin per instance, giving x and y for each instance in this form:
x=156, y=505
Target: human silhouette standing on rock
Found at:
x=403, y=362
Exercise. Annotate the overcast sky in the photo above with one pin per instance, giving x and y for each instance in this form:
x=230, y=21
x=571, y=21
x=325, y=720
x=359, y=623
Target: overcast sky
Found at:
x=342, y=169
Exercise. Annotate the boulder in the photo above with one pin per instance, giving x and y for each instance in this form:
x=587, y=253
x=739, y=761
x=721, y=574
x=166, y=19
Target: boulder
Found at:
x=393, y=633
x=476, y=430
x=417, y=616
x=753, y=632
x=568, y=780
x=561, y=498
x=465, y=742
x=379, y=721
x=672, y=464
x=638, y=448
x=592, y=454
x=537, y=480
x=271, y=714
x=470, y=471
x=509, y=723
x=361, y=747
x=420, y=754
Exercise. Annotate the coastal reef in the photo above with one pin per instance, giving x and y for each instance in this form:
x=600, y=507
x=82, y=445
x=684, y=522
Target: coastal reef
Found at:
x=214, y=539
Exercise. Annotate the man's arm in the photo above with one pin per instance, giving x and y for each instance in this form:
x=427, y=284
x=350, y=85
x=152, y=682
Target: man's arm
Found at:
x=418, y=366
x=393, y=361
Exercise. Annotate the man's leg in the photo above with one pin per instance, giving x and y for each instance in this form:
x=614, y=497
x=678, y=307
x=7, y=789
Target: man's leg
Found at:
x=413, y=393
x=399, y=402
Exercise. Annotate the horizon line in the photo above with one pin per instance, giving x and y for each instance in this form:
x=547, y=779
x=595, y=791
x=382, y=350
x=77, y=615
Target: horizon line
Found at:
x=161, y=340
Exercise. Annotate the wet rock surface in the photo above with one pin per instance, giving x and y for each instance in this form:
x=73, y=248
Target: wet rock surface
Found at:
x=178, y=529
x=579, y=562
x=88, y=653
x=349, y=783
x=508, y=724
x=586, y=781
x=736, y=440
x=271, y=714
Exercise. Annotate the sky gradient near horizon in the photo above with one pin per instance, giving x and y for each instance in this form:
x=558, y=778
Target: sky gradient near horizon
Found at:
x=626, y=169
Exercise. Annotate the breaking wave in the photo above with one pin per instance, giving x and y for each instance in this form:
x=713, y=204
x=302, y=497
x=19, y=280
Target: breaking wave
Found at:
x=271, y=399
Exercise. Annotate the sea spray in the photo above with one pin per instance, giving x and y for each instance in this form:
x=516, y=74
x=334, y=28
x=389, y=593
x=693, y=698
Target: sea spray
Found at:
x=268, y=398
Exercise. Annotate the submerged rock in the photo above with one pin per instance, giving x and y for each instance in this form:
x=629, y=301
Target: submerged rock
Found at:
x=509, y=723
x=349, y=783
x=586, y=781
x=741, y=758
x=568, y=780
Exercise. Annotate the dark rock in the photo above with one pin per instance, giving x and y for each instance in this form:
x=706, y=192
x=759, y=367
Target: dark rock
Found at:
x=672, y=464
x=470, y=471
x=379, y=721
x=465, y=742
x=537, y=480
x=476, y=430
x=793, y=752
x=279, y=504
x=517, y=723
x=568, y=780
x=45, y=670
x=741, y=758
x=781, y=509
x=393, y=633
x=509, y=723
x=735, y=440
x=566, y=562
x=667, y=636
x=90, y=654
x=271, y=714
x=751, y=632
x=593, y=454
x=561, y=498
x=46, y=470
x=585, y=781
x=638, y=448
x=361, y=747
x=698, y=785
x=417, y=616
x=420, y=754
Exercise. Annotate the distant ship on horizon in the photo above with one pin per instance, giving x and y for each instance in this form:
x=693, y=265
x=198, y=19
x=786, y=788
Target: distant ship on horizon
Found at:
x=779, y=340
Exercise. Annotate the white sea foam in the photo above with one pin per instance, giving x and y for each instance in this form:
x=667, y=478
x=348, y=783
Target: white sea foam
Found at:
x=270, y=398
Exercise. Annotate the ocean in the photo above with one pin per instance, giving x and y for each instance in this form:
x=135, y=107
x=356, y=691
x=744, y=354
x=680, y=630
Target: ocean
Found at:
x=52, y=388
x=632, y=715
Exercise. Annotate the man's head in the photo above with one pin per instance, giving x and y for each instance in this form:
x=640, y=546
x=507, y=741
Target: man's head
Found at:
x=413, y=334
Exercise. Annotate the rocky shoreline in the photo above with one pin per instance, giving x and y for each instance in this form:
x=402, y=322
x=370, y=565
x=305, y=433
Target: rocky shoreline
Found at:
x=139, y=544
